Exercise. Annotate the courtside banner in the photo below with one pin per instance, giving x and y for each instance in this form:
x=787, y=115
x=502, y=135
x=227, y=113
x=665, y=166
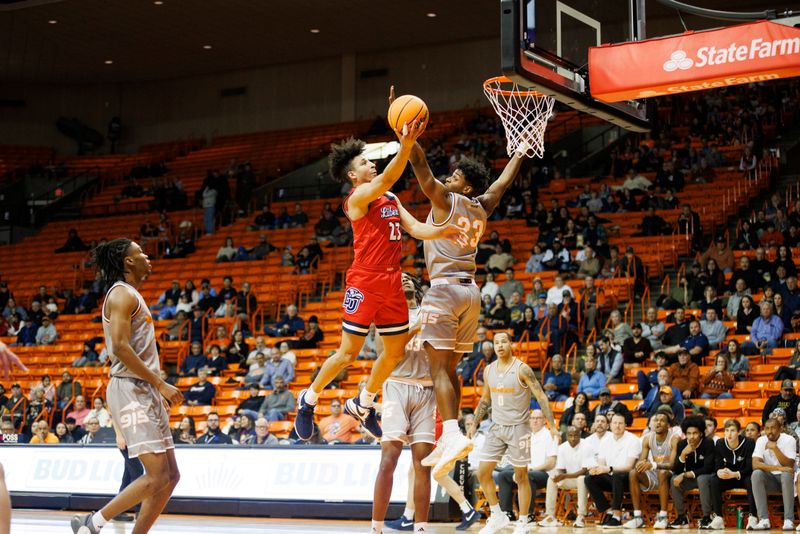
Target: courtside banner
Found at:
x=329, y=474
x=694, y=61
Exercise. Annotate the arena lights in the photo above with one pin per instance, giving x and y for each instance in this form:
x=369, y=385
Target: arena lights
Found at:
x=52, y=21
x=314, y=30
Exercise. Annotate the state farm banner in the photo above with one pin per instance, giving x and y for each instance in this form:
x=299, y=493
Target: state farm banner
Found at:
x=694, y=61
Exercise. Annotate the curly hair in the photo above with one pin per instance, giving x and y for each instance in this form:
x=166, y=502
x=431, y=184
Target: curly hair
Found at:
x=475, y=174
x=341, y=156
x=110, y=260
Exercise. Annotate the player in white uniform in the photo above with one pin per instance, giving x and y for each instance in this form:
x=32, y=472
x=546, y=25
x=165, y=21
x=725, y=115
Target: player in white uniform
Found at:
x=509, y=385
x=135, y=392
x=451, y=307
x=8, y=360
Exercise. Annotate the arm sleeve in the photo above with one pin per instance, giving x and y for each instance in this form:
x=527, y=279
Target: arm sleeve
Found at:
x=617, y=365
x=708, y=462
x=747, y=466
x=679, y=467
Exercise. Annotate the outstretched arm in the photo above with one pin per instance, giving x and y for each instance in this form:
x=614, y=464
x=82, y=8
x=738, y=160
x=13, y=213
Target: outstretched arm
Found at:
x=426, y=232
x=433, y=188
x=491, y=198
x=526, y=374
x=9, y=360
x=481, y=410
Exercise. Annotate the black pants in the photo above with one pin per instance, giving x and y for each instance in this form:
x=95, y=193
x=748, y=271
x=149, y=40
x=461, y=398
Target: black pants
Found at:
x=133, y=470
x=599, y=484
x=717, y=486
x=505, y=483
x=784, y=372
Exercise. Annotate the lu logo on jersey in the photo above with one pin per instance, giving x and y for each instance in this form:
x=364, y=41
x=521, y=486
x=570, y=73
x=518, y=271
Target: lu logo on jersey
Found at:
x=352, y=300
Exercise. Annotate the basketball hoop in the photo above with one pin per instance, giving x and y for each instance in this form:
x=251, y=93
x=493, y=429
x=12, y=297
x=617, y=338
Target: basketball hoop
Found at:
x=524, y=113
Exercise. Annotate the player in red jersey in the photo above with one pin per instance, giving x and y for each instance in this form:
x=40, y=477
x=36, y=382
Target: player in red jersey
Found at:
x=373, y=290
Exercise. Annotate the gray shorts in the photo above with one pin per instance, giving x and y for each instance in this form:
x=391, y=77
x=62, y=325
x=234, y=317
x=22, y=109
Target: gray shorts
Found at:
x=408, y=413
x=450, y=316
x=514, y=439
x=652, y=481
x=139, y=412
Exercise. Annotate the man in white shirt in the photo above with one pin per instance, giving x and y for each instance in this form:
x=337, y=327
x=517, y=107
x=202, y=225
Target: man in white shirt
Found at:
x=569, y=474
x=555, y=295
x=613, y=464
x=773, y=472
x=544, y=450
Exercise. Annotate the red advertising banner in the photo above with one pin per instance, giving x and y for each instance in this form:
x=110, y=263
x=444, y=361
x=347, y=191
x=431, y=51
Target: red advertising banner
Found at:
x=694, y=61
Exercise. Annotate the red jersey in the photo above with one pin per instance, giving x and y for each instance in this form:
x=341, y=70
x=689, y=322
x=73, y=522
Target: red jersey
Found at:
x=377, y=239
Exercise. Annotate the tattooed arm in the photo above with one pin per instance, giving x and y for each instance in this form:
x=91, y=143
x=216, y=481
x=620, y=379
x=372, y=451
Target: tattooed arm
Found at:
x=527, y=377
x=481, y=410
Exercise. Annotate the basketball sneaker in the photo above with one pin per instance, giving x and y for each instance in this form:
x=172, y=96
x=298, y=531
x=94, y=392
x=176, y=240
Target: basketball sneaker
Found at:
x=304, y=422
x=368, y=417
x=717, y=522
x=401, y=523
x=469, y=518
x=433, y=458
x=82, y=524
x=495, y=523
x=456, y=446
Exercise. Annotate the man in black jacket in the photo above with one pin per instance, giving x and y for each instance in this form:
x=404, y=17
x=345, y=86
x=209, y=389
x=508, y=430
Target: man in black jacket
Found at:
x=733, y=459
x=695, y=458
x=786, y=399
x=213, y=435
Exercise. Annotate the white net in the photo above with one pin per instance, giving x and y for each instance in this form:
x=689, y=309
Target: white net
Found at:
x=524, y=114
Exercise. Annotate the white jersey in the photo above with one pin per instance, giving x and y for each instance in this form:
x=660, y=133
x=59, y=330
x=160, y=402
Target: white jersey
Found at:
x=414, y=367
x=143, y=335
x=443, y=257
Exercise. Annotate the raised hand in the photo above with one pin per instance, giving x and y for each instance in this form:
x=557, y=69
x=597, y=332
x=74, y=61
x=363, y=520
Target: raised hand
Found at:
x=9, y=360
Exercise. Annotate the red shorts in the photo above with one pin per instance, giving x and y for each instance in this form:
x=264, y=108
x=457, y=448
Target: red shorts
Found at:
x=374, y=296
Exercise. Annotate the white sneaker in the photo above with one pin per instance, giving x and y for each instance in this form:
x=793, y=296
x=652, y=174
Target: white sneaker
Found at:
x=433, y=457
x=788, y=524
x=495, y=523
x=456, y=446
x=551, y=522
x=636, y=522
x=580, y=522
x=752, y=522
x=798, y=528
x=763, y=524
x=717, y=523
x=521, y=528
x=662, y=522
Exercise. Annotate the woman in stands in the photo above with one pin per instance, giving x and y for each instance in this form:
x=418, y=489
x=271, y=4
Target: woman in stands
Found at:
x=738, y=363
x=791, y=370
x=580, y=405
x=746, y=316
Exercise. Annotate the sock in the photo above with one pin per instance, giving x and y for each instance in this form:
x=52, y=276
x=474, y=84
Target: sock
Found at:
x=523, y=519
x=408, y=513
x=662, y=513
x=377, y=527
x=637, y=513
x=311, y=397
x=420, y=527
x=495, y=509
x=465, y=506
x=450, y=427
x=365, y=398
x=98, y=520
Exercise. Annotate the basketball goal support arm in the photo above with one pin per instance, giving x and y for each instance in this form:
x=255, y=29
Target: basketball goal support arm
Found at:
x=491, y=198
x=768, y=14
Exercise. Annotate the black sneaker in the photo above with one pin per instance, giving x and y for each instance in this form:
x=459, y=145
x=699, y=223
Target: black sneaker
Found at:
x=680, y=522
x=612, y=522
x=605, y=519
x=705, y=523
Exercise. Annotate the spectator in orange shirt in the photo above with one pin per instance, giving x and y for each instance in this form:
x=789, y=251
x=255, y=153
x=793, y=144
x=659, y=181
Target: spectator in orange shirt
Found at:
x=721, y=253
x=337, y=427
x=42, y=434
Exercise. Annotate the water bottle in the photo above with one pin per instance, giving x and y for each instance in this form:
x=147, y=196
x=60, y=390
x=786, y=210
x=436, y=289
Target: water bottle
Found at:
x=739, y=518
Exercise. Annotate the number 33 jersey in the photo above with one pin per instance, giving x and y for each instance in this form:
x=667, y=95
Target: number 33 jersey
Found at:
x=445, y=258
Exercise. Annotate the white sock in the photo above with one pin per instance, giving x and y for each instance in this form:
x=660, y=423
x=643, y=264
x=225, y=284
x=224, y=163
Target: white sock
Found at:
x=523, y=519
x=420, y=527
x=408, y=513
x=495, y=509
x=662, y=513
x=450, y=427
x=637, y=513
x=365, y=398
x=98, y=520
x=465, y=506
x=377, y=527
x=311, y=397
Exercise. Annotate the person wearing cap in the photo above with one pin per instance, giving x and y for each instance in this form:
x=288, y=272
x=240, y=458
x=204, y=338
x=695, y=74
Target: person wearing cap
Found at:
x=540, y=307
x=47, y=333
x=695, y=458
x=685, y=375
x=720, y=252
x=636, y=349
x=766, y=331
x=666, y=398
x=786, y=399
x=608, y=406
x=662, y=378
x=773, y=472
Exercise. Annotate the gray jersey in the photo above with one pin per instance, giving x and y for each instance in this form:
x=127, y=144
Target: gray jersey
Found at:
x=511, y=399
x=445, y=258
x=660, y=452
x=143, y=335
x=414, y=366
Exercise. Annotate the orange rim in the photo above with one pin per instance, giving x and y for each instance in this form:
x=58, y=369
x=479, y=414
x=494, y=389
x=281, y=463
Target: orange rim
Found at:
x=487, y=85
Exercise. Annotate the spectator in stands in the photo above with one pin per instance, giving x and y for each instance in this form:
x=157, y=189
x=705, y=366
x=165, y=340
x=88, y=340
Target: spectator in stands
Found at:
x=226, y=309
x=620, y=330
x=552, y=327
x=525, y=324
x=500, y=260
x=738, y=363
x=556, y=293
x=79, y=411
x=48, y=387
x=186, y=432
x=41, y=434
x=534, y=263
x=652, y=329
x=786, y=399
x=13, y=308
x=579, y=407
x=655, y=377
x=666, y=398
x=251, y=405
x=39, y=406
x=202, y=392
x=746, y=316
x=740, y=291
x=209, y=202
x=300, y=218
x=773, y=471
x=713, y=328
x=608, y=406
x=780, y=310
x=592, y=380
x=288, y=325
x=326, y=225
x=275, y=367
x=342, y=235
x=262, y=434
x=499, y=315
x=609, y=361
x=227, y=251
x=791, y=295
x=194, y=361
x=685, y=375
x=256, y=369
x=589, y=266
x=721, y=253
x=75, y=431
x=213, y=434
x=766, y=331
x=696, y=344
x=287, y=353
x=372, y=345
x=16, y=404
x=689, y=224
x=63, y=434
x=216, y=362
x=173, y=293
x=609, y=471
x=177, y=329
x=511, y=285
x=100, y=412
x=791, y=370
x=489, y=286
x=557, y=382
x=67, y=390
x=92, y=428
x=73, y=243
x=712, y=277
x=653, y=224
x=695, y=458
x=718, y=381
x=747, y=238
x=264, y=220
x=337, y=427
x=279, y=403
x=237, y=350
x=198, y=325
x=636, y=349
x=557, y=258
x=36, y=313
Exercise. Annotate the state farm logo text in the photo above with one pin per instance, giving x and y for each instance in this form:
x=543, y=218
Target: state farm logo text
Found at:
x=735, y=53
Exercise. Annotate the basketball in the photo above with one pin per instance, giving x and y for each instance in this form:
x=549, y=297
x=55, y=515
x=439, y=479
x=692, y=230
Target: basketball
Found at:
x=405, y=110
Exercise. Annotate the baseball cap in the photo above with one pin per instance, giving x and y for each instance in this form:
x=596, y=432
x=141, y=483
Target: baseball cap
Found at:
x=542, y=295
x=787, y=384
x=665, y=389
x=605, y=391
x=778, y=411
x=16, y=385
x=684, y=350
x=313, y=319
x=636, y=325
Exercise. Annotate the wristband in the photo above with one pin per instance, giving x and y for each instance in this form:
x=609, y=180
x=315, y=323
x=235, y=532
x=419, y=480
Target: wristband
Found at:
x=654, y=464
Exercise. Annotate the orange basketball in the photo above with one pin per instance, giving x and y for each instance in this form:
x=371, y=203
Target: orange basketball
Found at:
x=405, y=110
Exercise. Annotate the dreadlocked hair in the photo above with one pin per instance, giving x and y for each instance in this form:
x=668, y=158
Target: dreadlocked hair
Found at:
x=475, y=174
x=110, y=260
x=341, y=156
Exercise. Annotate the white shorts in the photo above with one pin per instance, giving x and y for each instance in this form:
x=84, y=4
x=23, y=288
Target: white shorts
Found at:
x=408, y=413
x=138, y=409
x=516, y=439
